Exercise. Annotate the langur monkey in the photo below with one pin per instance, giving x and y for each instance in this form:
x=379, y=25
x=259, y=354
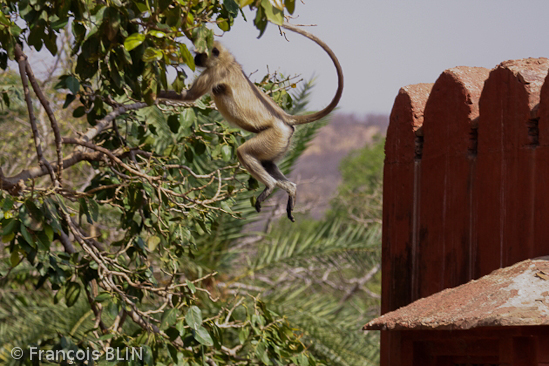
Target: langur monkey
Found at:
x=243, y=104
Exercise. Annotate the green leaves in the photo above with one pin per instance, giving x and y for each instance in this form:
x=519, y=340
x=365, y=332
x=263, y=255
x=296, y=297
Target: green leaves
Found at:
x=9, y=32
x=152, y=54
x=290, y=5
x=226, y=153
x=228, y=13
x=194, y=320
x=102, y=297
x=133, y=41
x=231, y=7
x=173, y=123
x=273, y=13
x=72, y=292
x=4, y=21
x=202, y=336
x=203, y=39
x=68, y=82
x=194, y=317
x=169, y=317
x=139, y=230
x=186, y=56
x=90, y=209
x=157, y=33
x=111, y=22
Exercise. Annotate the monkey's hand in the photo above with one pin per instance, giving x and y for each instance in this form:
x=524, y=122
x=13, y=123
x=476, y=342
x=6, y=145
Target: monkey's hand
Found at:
x=172, y=95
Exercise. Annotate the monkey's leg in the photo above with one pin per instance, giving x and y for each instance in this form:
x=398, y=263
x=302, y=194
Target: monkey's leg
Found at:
x=257, y=156
x=283, y=183
x=256, y=169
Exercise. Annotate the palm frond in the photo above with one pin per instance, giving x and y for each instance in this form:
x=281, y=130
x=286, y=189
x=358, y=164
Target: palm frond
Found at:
x=31, y=318
x=304, y=134
x=310, y=277
x=331, y=336
x=331, y=242
x=301, y=97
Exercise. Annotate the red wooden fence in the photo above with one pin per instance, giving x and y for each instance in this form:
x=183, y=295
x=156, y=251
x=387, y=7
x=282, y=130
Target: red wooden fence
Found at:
x=466, y=179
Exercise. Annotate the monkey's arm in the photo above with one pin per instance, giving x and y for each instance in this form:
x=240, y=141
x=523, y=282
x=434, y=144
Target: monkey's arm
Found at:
x=200, y=86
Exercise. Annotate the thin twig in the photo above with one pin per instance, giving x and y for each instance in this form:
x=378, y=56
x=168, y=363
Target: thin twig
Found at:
x=97, y=310
x=67, y=140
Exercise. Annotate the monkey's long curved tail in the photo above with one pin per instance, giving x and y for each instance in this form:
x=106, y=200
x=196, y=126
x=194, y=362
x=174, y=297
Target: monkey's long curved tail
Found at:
x=299, y=120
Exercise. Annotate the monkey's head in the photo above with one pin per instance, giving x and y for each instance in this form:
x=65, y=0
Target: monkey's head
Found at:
x=219, y=55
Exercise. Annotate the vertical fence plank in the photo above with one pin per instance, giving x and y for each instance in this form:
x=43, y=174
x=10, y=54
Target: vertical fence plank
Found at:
x=400, y=185
x=541, y=212
x=506, y=171
x=449, y=154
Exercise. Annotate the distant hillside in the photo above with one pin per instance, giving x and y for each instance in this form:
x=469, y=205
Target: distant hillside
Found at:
x=316, y=172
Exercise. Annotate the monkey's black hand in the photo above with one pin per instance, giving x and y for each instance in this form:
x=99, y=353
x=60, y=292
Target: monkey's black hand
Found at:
x=258, y=205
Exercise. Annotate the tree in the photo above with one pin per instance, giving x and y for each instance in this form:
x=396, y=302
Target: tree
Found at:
x=109, y=215
x=362, y=174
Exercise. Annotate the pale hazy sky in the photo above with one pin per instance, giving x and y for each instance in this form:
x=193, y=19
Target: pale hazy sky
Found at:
x=383, y=44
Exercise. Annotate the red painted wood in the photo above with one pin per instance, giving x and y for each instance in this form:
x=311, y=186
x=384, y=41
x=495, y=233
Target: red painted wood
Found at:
x=398, y=207
x=541, y=213
x=520, y=346
x=449, y=217
x=525, y=351
x=506, y=170
x=543, y=348
x=449, y=158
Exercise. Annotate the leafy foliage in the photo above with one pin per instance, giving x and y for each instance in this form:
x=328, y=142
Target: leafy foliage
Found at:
x=120, y=234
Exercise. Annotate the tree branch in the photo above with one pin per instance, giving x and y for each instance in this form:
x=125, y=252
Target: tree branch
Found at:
x=105, y=122
x=49, y=112
x=68, y=140
x=359, y=283
x=64, y=239
x=10, y=184
x=96, y=308
x=22, y=61
x=15, y=184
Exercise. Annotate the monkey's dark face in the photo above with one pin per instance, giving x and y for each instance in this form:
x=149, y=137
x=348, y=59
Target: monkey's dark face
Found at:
x=201, y=59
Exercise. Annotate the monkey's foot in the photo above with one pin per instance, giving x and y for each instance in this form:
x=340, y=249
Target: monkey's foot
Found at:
x=290, y=216
x=290, y=207
x=262, y=197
